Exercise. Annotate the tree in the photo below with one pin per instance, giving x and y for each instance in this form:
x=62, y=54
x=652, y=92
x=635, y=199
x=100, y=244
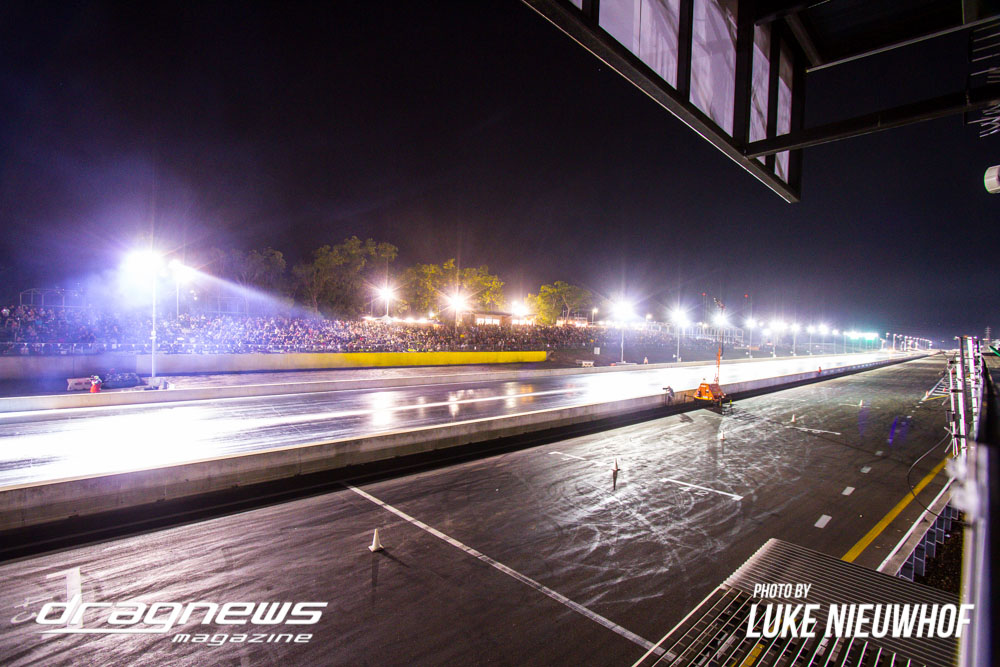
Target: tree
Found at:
x=426, y=285
x=558, y=299
x=336, y=276
x=254, y=270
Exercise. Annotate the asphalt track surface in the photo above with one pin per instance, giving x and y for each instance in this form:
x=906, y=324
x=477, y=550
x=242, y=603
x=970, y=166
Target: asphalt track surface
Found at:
x=48, y=445
x=538, y=556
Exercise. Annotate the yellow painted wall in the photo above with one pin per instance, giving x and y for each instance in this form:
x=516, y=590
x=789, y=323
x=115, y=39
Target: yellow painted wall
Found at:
x=235, y=363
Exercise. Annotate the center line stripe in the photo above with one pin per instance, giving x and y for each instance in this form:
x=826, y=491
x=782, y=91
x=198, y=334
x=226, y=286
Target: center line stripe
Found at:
x=703, y=488
x=558, y=597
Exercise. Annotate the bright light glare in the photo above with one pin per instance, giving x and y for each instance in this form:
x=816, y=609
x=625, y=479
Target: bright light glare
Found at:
x=519, y=309
x=457, y=302
x=778, y=325
x=623, y=311
x=720, y=319
x=750, y=323
x=142, y=264
x=679, y=318
x=810, y=329
x=386, y=293
x=824, y=330
x=182, y=272
x=795, y=328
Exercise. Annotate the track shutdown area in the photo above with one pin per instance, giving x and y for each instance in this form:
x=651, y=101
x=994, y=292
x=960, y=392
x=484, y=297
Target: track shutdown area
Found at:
x=538, y=556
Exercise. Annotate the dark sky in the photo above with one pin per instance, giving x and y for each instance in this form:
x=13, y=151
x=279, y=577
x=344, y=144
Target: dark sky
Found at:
x=473, y=130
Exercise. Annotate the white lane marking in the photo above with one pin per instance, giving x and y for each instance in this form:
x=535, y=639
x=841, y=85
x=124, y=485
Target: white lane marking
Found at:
x=572, y=456
x=823, y=520
x=675, y=427
x=558, y=597
x=703, y=488
x=848, y=491
x=878, y=453
x=866, y=469
x=814, y=430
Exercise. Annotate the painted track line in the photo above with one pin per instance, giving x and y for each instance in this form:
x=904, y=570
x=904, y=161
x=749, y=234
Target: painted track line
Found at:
x=558, y=597
x=703, y=488
x=863, y=543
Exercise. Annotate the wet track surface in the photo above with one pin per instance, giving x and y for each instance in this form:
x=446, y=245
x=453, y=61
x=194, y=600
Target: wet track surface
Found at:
x=57, y=444
x=537, y=556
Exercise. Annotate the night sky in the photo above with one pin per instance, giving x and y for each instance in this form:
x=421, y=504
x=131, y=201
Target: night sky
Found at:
x=473, y=130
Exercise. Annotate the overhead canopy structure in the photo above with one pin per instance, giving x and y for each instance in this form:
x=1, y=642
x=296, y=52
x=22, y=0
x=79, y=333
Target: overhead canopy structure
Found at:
x=735, y=70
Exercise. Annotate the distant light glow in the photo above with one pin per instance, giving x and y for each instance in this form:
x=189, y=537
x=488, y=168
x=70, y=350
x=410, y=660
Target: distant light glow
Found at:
x=720, y=319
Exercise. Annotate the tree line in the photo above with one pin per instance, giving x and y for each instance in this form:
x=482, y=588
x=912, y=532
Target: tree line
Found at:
x=342, y=280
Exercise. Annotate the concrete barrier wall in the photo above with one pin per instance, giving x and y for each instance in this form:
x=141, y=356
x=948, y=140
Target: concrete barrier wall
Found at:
x=29, y=367
x=63, y=366
x=86, y=400
x=33, y=504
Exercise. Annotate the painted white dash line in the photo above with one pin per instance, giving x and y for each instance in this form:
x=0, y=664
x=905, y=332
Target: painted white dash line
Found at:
x=703, y=488
x=848, y=491
x=814, y=430
x=558, y=597
x=866, y=470
x=823, y=520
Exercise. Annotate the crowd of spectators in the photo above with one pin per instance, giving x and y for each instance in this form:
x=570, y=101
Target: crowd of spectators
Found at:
x=29, y=330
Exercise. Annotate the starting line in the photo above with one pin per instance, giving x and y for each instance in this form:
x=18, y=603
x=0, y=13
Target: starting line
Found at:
x=558, y=597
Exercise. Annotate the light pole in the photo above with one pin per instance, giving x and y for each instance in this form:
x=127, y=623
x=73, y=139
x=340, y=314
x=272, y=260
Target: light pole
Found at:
x=593, y=315
x=139, y=265
x=750, y=324
x=680, y=321
x=457, y=303
x=810, y=330
x=795, y=335
x=386, y=293
x=623, y=312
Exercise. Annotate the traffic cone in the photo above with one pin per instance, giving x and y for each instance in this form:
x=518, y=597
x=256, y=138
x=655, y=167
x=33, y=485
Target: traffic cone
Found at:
x=376, y=545
x=793, y=418
x=616, y=468
x=861, y=403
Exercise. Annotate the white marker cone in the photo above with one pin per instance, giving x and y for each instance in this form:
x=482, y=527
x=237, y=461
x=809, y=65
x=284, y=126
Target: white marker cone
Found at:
x=793, y=418
x=376, y=545
x=616, y=468
x=861, y=403
x=722, y=436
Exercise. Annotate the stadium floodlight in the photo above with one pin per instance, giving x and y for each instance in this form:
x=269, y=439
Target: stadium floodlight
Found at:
x=795, y=328
x=623, y=311
x=823, y=329
x=810, y=330
x=142, y=265
x=520, y=310
x=457, y=302
x=750, y=323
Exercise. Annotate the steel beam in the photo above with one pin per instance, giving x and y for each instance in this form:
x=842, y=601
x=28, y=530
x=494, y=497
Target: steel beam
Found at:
x=907, y=114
